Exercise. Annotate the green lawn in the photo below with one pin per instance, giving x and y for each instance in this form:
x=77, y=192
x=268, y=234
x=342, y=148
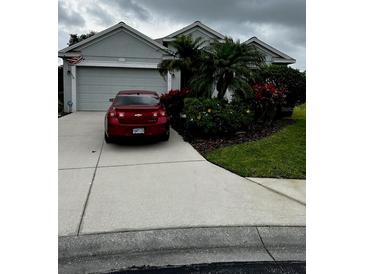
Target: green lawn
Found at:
x=282, y=155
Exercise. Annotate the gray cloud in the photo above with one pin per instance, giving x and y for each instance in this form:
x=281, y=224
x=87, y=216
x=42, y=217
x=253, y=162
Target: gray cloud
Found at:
x=68, y=17
x=101, y=15
x=288, y=12
x=62, y=37
x=130, y=7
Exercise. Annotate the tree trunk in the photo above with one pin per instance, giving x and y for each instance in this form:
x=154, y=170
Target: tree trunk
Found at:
x=221, y=88
x=222, y=91
x=220, y=94
x=222, y=84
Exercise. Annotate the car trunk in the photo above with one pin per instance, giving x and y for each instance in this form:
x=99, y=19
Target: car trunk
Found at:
x=137, y=114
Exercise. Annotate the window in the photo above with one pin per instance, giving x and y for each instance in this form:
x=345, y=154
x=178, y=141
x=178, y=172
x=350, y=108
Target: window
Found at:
x=127, y=100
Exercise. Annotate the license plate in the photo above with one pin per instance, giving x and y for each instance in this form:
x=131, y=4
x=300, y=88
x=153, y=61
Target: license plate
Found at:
x=138, y=131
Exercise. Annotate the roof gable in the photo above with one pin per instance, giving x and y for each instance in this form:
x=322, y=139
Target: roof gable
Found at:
x=197, y=25
x=110, y=31
x=271, y=50
x=199, y=32
x=120, y=43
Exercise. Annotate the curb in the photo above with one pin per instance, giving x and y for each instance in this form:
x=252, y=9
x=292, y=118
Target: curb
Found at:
x=185, y=246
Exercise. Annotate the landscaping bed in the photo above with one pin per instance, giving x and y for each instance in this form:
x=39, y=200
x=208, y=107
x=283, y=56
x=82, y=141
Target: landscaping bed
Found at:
x=253, y=132
x=204, y=146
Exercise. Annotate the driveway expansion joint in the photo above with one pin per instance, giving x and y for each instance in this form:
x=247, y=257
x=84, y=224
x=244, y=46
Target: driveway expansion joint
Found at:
x=152, y=163
x=75, y=168
x=89, y=191
x=275, y=191
x=263, y=244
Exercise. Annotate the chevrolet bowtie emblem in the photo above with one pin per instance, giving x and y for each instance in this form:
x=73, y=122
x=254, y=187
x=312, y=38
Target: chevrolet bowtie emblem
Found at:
x=138, y=115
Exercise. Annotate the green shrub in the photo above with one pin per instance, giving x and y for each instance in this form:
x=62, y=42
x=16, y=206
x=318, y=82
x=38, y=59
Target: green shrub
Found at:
x=214, y=117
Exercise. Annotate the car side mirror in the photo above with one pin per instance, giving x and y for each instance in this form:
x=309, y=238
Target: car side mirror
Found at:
x=111, y=99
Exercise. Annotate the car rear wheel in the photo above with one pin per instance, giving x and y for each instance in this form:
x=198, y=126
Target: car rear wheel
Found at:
x=166, y=136
x=108, y=140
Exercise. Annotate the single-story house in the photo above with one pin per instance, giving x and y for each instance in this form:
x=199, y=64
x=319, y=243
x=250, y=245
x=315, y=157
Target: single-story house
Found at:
x=121, y=58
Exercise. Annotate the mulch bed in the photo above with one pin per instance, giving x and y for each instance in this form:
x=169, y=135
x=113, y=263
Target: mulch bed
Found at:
x=205, y=145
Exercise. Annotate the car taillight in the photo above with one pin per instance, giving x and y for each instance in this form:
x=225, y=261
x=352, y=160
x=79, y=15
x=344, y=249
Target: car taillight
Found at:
x=112, y=113
x=160, y=113
x=121, y=114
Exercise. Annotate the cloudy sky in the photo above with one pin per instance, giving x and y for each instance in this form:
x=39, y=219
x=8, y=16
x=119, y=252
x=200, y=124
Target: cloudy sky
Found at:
x=280, y=23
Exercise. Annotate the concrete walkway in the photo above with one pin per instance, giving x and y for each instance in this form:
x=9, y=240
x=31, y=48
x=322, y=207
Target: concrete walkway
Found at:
x=107, y=188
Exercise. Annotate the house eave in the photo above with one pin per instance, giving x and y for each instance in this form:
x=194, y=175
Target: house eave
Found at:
x=283, y=61
x=68, y=54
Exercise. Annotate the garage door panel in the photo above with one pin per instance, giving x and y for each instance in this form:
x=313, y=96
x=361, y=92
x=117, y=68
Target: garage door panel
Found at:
x=117, y=79
x=98, y=89
x=96, y=97
x=93, y=89
x=95, y=85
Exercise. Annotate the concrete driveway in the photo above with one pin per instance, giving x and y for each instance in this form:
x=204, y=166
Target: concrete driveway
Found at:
x=110, y=188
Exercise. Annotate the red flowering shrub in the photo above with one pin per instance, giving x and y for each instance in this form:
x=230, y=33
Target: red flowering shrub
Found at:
x=174, y=102
x=269, y=92
x=173, y=95
x=268, y=101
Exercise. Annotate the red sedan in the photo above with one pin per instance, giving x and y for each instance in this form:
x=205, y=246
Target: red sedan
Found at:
x=136, y=113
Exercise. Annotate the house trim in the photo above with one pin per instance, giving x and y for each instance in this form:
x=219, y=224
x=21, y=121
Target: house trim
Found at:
x=73, y=89
x=86, y=63
x=169, y=81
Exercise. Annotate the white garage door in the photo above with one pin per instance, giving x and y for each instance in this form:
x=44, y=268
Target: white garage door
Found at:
x=95, y=85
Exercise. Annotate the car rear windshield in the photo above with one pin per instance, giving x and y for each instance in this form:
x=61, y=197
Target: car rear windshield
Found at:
x=126, y=100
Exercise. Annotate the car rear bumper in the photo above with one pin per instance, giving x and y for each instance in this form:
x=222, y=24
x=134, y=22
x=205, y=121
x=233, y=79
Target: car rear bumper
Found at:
x=121, y=130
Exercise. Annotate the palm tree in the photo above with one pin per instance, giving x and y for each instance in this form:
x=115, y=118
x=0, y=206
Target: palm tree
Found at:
x=186, y=59
x=227, y=65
